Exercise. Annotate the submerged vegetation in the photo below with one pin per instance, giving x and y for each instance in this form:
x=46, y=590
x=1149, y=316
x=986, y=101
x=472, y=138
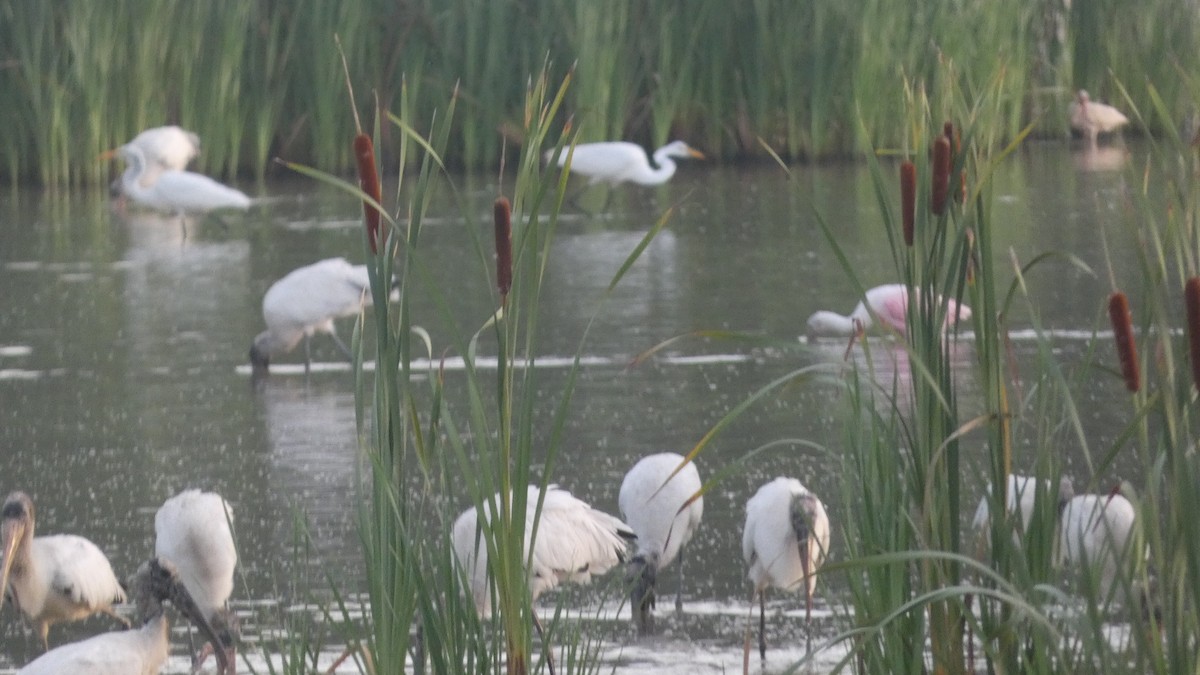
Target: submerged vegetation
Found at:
x=254, y=78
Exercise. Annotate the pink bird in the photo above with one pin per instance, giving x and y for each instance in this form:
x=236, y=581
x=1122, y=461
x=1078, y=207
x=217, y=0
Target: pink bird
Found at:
x=1092, y=119
x=887, y=304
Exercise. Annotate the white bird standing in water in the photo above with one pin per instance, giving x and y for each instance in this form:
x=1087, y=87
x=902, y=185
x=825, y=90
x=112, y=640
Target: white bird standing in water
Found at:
x=663, y=510
x=1097, y=535
x=616, y=162
x=1020, y=501
x=168, y=148
x=305, y=302
x=1092, y=119
x=887, y=304
x=142, y=651
x=784, y=542
x=53, y=578
x=174, y=191
x=193, y=532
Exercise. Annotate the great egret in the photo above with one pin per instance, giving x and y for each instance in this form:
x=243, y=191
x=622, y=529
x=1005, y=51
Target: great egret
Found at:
x=616, y=162
x=657, y=507
x=174, y=191
x=192, y=531
x=785, y=541
x=887, y=304
x=168, y=148
x=305, y=302
x=1092, y=119
x=53, y=578
x=1021, y=500
x=131, y=652
x=1097, y=535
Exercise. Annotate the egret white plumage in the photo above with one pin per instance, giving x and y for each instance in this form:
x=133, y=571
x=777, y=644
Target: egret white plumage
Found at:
x=662, y=507
x=193, y=532
x=132, y=652
x=1020, y=501
x=305, y=302
x=887, y=304
x=1092, y=119
x=167, y=148
x=1097, y=533
x=616, y=162
x=174, y=191
x=784, y=543
x=53, y=578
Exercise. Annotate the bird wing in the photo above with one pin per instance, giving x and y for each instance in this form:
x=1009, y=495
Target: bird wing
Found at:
x=316, y=294
x=194, y=192
x=574, y=541
x=81, y=572
x=608, y=161
x=130, y=652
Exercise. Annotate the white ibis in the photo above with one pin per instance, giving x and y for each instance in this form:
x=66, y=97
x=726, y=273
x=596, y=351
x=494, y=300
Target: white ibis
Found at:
x=53, y=578
x=785, y=541
x=174, y=191
x=1092, y=119
x=1097, y=535
x=142, y=651
x=616, y=162
x=193, y=531
x=305, y=302
x=660, y=501
x=1020, y=501
x=887, y=304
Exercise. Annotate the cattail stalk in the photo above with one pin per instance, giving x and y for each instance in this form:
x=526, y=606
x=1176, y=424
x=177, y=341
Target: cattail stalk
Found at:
x=908, y=199
x=368, y=182
x=502, y=212
x=941, y=175
x=1191, y=298
x=1118, y=314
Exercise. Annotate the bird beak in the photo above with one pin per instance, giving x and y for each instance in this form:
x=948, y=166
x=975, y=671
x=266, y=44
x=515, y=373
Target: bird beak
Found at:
x=13, y=533
x=106, y=155
x=696, y=153
x=183, y=601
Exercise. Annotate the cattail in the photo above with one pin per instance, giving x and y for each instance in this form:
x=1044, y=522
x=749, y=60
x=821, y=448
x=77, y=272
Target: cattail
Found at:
x=502, y=212
x=368, y=181
x=908, y=199
x=1118, y=314
x=1191, y=298
x=941, y=174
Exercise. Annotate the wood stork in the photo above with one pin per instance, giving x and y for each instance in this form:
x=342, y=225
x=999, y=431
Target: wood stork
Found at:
x=1092, y=119
x=53, y=578
x=1020, y=501
x=132, y=652
x=305, y=302
x=193, y=532
x=660, y=501
x=887, y=304
x=174, y=191
x=1097, y=533
x=784, y=543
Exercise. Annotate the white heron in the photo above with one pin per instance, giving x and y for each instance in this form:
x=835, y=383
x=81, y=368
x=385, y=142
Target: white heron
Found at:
x=785, y=541
x=616, y=162
x=53, y=578
x=192, y=530
x=142, y=651
x=174, y=191
x=1092, y=119
x=305, y=302
x=1097, y=533
x=167, y=148
x=660, y=502
x=887, y=304
x=1020, y=501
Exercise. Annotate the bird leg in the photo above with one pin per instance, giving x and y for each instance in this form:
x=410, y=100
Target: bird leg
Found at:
x=762, y=624
x=545, y=643
x=342, y=346
x=307, y=354
x=808, y=596
x=679, y=595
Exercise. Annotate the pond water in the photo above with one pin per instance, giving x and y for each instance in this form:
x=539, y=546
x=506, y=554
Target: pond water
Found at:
x=123, y=377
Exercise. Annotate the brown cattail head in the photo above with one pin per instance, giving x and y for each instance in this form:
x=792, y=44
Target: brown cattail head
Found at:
x=908, y=199
x=948, y=132
x=502, y=212
x=368, y=181
x=941, y=174
x=1118, y=314
x=1191, y=298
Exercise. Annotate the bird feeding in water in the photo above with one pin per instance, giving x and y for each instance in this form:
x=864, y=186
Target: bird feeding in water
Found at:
x=1021, y=501
x=305, y=302
x=1096, y=537
x=193, y=531
x=784, y=543
x=53, y=578
x=142, y=651
x=167, y=148
x=616, y=162
x=1092, y=119
x=887, y=305
x=660, y=501
x=174, y=191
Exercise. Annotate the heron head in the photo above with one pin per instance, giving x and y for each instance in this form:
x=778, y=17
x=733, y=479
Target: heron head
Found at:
x=682, y=150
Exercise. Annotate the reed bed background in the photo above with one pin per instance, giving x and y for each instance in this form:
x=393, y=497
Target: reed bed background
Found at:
x=254, y=78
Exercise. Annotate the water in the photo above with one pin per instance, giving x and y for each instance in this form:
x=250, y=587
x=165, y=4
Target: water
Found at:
x=123, y=342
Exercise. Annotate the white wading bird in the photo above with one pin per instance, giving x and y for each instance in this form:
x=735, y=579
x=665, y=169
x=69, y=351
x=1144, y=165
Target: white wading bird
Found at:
x=173, y=191
x=164, y=149
x=305, y=302
x=1096, y=537
x=616, y=162
x=1092, y=119
x=785, y=542
x=1021, y=500
x=192, y=531
x=142, y=651
x=663, y=516
x=887, y=304
x=53, y=578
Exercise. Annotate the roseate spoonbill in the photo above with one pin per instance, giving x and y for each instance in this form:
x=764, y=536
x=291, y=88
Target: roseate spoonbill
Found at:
x=886, y=304
x=662, y=507
x=306, y=301
x=131, y=652
x=1092, y=119
x=192, y=530
x=174, y=191
x=784, y=542
x=1097, y=535
x=616, y=162
x=53, y=578
x=1022, y=491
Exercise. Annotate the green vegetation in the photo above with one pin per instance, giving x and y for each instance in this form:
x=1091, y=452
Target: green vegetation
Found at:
x=254, y=79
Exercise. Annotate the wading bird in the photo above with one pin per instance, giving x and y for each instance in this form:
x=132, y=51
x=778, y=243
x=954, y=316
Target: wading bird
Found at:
x=887, y=304
x=192, y=530
x=53, y=578
x=1092, y=119
x=305, y=302
x=616, y=162
x=174, y=191
x=1020, y=501
x=166, y=148
x=1096, y=537
x=142, y=651
x=784, y=543
x=663, y=508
